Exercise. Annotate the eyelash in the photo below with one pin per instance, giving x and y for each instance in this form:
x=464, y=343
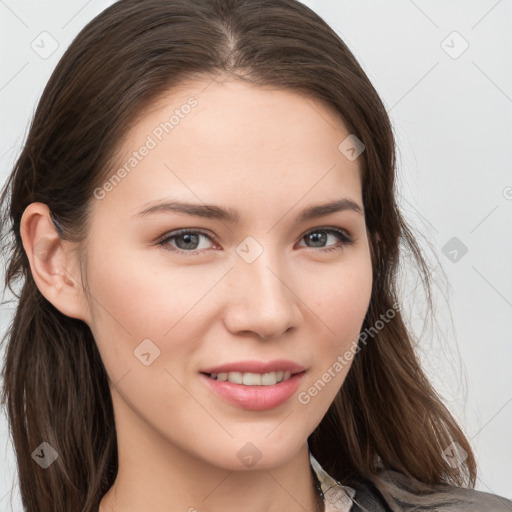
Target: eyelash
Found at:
x=341, y=234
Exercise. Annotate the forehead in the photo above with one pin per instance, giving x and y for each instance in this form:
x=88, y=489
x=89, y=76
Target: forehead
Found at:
x=212, y=140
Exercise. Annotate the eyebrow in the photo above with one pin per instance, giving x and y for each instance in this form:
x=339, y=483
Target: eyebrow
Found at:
x=233, y=216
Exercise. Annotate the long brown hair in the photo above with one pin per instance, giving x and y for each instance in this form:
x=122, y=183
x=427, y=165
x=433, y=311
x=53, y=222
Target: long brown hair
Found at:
x=55, y=384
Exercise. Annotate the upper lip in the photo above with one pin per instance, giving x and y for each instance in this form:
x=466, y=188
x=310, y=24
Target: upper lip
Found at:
x=256, y=367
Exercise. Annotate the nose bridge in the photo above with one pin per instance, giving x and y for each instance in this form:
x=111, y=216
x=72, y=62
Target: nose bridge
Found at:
x=262, y=300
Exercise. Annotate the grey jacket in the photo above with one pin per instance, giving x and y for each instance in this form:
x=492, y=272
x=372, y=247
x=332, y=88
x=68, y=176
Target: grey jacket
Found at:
x=393, y=492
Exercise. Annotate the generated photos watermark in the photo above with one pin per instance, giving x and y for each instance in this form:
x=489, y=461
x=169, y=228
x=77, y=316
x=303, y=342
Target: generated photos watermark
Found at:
x=343, y=360
x=152, y=140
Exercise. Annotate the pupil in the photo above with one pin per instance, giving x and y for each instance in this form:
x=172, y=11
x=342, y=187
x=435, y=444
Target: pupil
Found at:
x=188, y=239
x=315, y=238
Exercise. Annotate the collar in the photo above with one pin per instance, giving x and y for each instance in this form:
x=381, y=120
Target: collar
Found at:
x=337, y=497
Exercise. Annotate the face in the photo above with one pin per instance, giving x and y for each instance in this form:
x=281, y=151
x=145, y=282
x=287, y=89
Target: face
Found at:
x=222, y=324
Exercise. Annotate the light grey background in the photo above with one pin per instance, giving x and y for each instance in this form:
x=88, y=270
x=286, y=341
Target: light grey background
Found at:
x=451, y=109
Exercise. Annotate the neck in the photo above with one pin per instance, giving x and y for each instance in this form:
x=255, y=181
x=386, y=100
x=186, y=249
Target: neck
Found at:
x=289, y=487
x=156, y=475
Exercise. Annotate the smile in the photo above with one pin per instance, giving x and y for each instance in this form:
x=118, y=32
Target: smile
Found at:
x=254, y=385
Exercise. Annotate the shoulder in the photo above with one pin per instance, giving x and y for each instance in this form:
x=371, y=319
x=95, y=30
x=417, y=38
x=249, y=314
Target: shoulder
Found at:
x=391, y=491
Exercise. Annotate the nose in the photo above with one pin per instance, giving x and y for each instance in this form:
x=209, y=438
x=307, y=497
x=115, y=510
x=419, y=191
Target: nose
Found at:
x=261, y=298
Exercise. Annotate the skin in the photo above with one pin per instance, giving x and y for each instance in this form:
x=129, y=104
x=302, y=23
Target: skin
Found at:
x=268, y=154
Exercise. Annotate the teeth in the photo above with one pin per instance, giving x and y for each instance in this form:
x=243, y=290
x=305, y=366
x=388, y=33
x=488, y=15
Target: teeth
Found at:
x=268, y=379
x=235, y=377
x=252, y=379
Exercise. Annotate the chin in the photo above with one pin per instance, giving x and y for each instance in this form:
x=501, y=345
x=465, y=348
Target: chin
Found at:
x=260, y=453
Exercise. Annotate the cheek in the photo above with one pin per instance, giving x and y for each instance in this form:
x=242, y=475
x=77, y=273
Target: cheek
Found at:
x=147, y=325
x=343, y=300
x=341, y=309
x=138, y=294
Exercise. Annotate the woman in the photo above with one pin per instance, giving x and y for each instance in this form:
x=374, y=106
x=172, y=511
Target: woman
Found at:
x=203, y=216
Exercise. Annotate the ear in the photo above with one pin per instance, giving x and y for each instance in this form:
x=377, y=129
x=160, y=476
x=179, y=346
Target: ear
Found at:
x=53, y=262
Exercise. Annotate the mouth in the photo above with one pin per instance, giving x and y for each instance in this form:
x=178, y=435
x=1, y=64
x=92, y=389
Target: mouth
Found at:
x=254, y=385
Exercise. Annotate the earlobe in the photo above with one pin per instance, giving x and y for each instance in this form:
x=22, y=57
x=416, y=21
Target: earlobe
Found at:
x=52, y=263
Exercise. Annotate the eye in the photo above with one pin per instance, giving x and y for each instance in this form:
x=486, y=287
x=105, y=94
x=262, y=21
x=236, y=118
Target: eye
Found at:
x=320, y=236
x=187, y=241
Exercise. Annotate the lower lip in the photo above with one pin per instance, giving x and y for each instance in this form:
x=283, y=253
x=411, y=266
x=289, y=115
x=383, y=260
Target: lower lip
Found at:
x=255, y=398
